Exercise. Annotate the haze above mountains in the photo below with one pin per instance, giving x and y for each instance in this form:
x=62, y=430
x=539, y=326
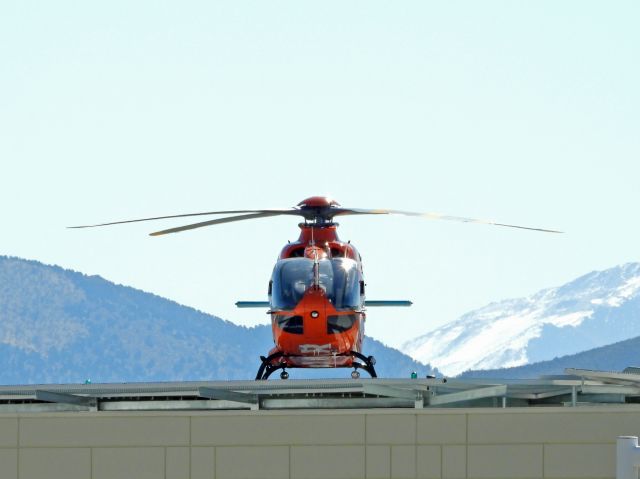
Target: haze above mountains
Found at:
x=58, y=325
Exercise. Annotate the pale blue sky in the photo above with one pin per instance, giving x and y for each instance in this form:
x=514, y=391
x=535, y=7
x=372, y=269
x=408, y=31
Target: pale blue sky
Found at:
x=523, y=112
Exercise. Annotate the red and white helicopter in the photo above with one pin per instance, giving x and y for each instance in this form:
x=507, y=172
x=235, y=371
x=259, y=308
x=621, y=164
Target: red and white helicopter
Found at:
x=316, y=293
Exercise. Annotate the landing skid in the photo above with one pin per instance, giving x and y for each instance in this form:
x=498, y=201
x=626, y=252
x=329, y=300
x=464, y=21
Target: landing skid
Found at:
x=268, y=367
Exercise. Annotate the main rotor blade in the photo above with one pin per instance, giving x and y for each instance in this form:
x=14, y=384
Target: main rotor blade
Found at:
x=276, y=211
x=228, y=219
x=435, y=216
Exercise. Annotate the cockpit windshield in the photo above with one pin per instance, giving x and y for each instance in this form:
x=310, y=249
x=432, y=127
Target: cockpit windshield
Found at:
x=339, y=277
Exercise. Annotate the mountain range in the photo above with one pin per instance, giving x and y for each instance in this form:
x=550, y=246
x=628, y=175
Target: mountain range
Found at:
x=61, y=326
x=597, y=309
x=614, y=357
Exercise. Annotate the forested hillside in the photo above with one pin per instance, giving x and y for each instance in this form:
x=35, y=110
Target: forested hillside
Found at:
x=58, y=325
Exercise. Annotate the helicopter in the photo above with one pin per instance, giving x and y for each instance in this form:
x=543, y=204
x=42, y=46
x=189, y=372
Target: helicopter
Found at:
x=316, y=294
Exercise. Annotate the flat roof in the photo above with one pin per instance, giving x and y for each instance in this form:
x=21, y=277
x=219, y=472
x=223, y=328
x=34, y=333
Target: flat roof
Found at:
x=578, y=387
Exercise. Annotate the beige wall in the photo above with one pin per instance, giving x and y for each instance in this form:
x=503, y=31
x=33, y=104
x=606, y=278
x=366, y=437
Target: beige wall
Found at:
x=429, y=443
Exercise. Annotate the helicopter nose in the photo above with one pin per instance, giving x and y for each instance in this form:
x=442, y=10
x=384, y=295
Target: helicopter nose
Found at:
x=314, y=311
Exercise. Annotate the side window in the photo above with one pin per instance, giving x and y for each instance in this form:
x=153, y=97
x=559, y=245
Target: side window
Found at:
x=346, y=291
x=340, y=324
x=290, y=324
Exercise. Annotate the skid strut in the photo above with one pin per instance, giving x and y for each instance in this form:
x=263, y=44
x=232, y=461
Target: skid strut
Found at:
x=268, y=367
x=368, y=366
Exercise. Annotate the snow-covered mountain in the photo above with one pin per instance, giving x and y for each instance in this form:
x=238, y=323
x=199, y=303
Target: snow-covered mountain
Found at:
x=594, y=310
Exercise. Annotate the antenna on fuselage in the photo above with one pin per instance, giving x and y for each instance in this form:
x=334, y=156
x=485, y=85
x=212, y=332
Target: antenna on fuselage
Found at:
x=316, y=262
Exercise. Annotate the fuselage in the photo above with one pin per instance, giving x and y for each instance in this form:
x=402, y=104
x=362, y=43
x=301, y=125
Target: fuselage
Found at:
x=316, y=297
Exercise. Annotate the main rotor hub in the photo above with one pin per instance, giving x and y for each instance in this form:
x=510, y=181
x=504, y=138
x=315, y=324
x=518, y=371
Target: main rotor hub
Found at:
x=318, y=209
x=318, y=202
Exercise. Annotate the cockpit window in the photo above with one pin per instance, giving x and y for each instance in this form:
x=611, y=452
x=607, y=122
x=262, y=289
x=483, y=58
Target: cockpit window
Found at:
x=339, y=277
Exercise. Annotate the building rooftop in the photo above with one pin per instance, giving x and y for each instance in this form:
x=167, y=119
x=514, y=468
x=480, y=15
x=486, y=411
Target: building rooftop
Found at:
x=578, y=387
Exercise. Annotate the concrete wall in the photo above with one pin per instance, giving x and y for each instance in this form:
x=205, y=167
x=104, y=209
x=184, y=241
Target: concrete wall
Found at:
x=429, y=443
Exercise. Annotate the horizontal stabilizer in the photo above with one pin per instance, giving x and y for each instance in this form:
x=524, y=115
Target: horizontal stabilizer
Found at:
x=252, y=304
x=368, y=303
x=387, y=303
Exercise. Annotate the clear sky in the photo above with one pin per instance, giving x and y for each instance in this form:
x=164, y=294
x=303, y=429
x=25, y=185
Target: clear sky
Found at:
x=522, y=112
